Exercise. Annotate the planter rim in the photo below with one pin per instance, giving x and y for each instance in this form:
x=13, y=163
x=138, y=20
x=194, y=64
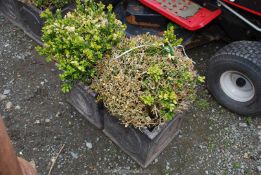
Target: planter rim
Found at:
x=156, y=131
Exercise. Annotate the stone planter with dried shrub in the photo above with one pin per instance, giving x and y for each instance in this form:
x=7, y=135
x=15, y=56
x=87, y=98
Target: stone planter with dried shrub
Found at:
x=146, y=86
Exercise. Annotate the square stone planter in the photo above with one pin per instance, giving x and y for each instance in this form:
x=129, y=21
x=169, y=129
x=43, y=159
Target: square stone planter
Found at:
x=143, y=145
x=27, y=17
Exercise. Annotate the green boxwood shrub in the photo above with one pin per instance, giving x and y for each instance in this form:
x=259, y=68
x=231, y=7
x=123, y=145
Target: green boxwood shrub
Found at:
x=146, y=81
x=79, y=40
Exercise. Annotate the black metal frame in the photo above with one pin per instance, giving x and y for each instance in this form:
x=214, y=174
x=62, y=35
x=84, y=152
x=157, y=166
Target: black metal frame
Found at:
x=236, y=29
x=254, y=5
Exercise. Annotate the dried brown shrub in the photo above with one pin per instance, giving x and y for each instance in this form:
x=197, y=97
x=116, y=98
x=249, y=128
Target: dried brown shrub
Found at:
x=146, y=86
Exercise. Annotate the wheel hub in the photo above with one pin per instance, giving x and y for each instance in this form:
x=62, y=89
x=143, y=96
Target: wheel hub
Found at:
x=237, y=86
x=240, y=82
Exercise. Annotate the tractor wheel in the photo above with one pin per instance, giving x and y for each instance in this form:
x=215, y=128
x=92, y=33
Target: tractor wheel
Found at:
x=234, y=77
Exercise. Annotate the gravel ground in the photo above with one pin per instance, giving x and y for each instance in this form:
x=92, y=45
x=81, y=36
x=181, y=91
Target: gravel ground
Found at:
x=40, y=121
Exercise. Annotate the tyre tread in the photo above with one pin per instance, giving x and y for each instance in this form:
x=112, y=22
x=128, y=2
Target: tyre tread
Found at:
x=249, y=50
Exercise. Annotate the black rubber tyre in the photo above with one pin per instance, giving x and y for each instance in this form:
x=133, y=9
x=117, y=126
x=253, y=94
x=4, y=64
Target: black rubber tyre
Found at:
x=243, y=57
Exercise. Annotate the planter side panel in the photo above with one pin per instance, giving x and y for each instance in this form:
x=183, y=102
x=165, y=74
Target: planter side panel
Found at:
x=10, y=8
x=137, y=144
x=164, y=138
x=130, y=140
x=32, y=22
x=84, y=101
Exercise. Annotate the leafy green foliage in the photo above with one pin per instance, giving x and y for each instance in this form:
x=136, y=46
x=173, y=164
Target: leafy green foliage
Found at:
x=202, y=103
x=155, y=72
x=79, y=40
x=47, y=3
x=236, y=165
x=149, y=84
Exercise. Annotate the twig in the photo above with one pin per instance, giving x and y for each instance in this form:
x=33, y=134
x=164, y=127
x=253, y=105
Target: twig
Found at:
x=53, y=162
x=124, y=53
x=148, y=45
